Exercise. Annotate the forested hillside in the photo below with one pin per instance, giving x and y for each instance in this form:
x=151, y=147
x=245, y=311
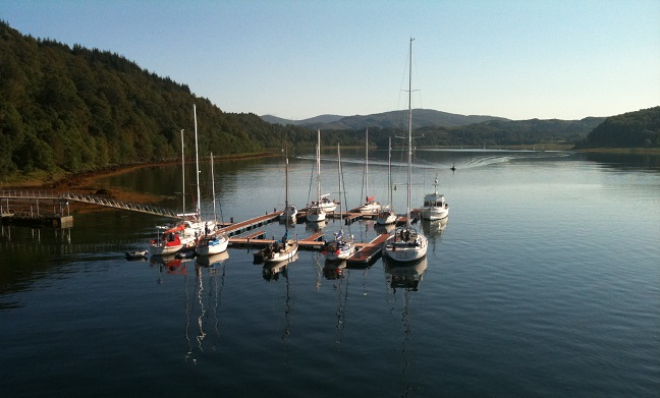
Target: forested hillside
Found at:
x=639, y=129
x=74, y=108
x=71, y=109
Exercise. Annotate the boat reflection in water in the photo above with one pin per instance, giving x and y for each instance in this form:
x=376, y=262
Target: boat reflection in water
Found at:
x=316, y=226
x=212, y=261
x=405, y=275
x=385, y=229
x=170, y=264
x=334, y=269
x=434, y=228
x=272, y=271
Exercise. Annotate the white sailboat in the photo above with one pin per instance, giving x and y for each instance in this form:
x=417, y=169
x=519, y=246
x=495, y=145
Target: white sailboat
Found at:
x=340, y=248
x=316, y=212
x=405, y=244
x=370, y=207
x=212, y=242
x=435, y=207
x=290, y=211
x=284, y=249
x=387, y=215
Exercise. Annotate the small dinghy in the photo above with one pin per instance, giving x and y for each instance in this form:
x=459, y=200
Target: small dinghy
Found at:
x=185, y=254
x=137, y=255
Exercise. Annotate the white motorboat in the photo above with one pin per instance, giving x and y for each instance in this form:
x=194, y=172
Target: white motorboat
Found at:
x=405, y=244
x=435, y=207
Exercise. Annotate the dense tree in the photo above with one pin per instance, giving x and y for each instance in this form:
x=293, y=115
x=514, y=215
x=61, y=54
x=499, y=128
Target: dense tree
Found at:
x=629, y=130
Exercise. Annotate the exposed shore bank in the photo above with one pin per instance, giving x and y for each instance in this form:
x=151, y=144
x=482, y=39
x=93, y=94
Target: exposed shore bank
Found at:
x=83, y=182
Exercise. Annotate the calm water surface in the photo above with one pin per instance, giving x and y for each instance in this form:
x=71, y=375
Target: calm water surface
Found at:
x=544, y=282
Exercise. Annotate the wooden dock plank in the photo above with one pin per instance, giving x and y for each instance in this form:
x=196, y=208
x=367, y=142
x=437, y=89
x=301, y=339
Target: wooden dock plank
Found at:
x=314, y=237
x=248, y=224
x=255, y=235
x=369, y=251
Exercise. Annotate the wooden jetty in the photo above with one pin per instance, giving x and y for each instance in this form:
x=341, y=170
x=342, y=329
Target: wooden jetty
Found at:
x=65, y=197
x=244, y=226
x=367, y=252
x=26, y=219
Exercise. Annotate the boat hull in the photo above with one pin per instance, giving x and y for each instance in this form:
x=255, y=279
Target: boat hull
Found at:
x=165, y=250
x=434, y=213
x=404, y=254
x=314, y=215
x=405, y=245
x=336, y=251
x=370, y=209
x=280, y=255
x=214, y=246
x=386, y=219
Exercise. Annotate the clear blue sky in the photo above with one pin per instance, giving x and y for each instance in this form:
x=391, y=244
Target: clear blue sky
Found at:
x=519, y=59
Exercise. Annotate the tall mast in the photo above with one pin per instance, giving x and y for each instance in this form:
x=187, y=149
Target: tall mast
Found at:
x=341, y=219
x=286, y=184
x=389, y=173
x=318, y=169
x=286, y=189
x=183, y=174
x=215, y=215
x=199, y=199
x=366, y=166
x=409, y=199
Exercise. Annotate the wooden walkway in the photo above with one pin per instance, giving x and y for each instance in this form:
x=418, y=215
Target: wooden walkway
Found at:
x=244, y=226
x=369, y=251
x=6, y=194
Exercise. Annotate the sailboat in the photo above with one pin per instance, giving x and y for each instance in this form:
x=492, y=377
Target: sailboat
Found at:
x=339, y=248
x=317, y=211
x=387, y=216
x=370, y=207
x=284, y=249
x=405, y=244
x=172, y=239
x=435, y=207
x=290, y=211
x=213, y=241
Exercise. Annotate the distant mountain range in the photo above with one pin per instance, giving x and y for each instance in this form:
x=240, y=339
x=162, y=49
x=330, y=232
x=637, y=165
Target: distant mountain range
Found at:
x=393, y=119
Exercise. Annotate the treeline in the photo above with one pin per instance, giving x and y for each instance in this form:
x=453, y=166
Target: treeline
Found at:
x=72, y=109
x=639, y=129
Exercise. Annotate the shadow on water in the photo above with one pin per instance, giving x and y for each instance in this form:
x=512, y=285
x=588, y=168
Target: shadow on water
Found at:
x=624, y=161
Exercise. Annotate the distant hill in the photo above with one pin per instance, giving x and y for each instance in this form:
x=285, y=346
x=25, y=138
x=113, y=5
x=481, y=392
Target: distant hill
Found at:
x=313, y=120
x=640, y=129
x=393, y=119
x=510, y=132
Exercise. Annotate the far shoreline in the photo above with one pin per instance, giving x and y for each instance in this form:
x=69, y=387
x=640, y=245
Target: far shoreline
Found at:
x=84, y=180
